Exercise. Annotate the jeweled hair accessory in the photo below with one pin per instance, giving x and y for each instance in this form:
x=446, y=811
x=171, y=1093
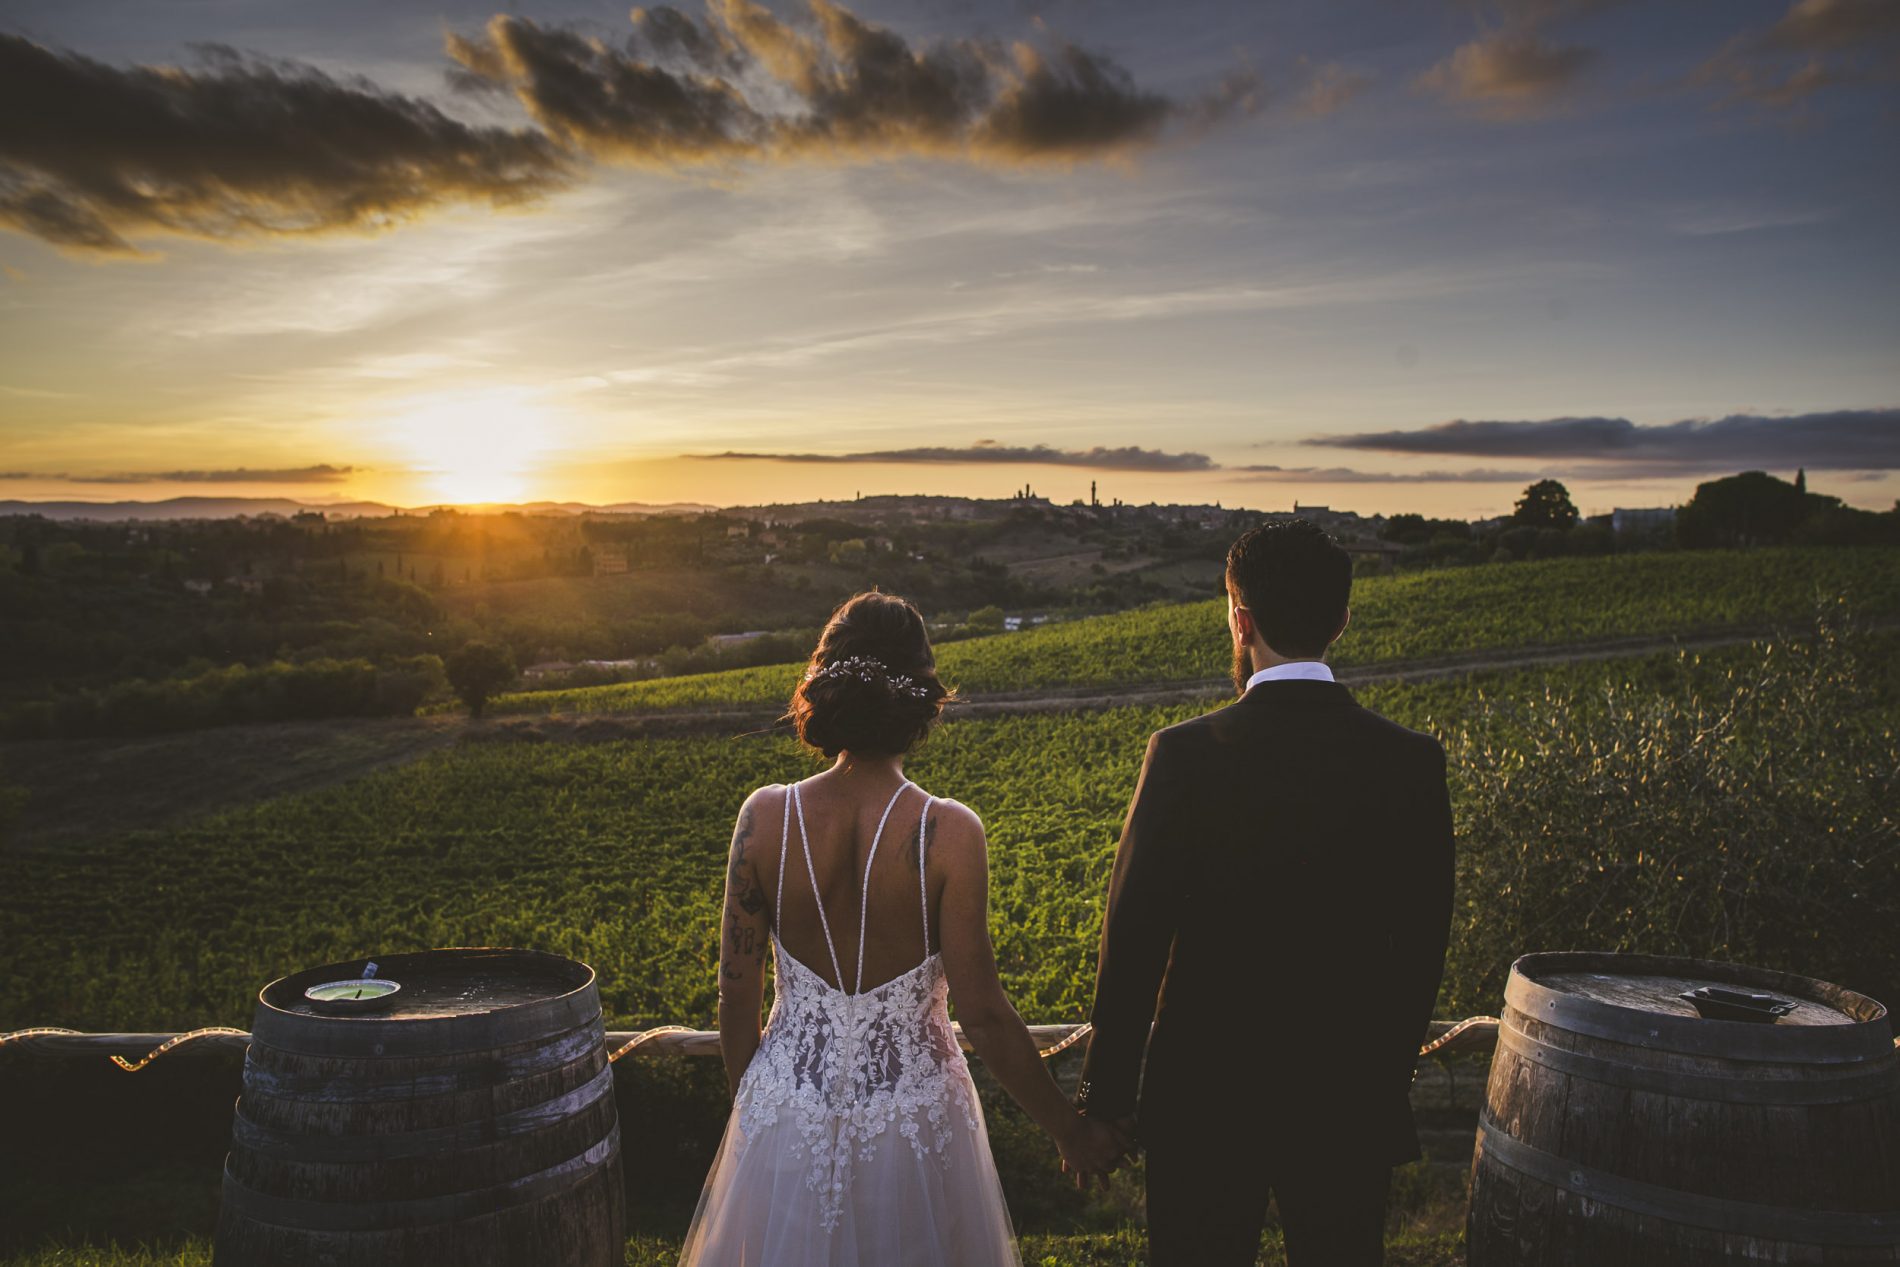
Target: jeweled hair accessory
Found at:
x=871, y=670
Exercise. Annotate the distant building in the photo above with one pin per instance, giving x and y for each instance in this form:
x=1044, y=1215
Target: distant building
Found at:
x=1386, y=552
x=198, y=587
x=734, y=639
x=610, y=562
x=1624, y=520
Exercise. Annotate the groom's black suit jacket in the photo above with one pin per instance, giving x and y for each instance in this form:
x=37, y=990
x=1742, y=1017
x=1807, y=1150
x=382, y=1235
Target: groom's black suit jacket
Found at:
x=1279, y=910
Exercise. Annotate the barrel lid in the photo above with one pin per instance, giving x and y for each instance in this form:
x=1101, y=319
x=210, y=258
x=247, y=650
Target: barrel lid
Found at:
x=1637, y=999
x=486, y=994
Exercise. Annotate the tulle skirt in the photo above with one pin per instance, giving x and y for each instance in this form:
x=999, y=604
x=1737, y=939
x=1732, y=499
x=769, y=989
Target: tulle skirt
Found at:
x=759, y=1209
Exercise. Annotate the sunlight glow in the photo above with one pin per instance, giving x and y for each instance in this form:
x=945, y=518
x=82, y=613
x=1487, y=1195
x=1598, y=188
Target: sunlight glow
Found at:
x=475, y=446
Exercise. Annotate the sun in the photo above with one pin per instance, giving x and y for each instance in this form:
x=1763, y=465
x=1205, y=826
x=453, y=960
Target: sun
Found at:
x=476, y=446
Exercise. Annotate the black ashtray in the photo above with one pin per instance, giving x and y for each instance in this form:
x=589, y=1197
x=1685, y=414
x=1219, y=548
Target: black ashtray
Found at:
x=1717, y=1004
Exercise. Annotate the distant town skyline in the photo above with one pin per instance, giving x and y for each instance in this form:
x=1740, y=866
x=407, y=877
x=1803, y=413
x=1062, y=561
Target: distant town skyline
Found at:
x=1393, y=258
x=189, y=506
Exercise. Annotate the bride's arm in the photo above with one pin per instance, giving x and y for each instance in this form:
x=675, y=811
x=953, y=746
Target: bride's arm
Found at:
x=995, y=1030
x=742, y=948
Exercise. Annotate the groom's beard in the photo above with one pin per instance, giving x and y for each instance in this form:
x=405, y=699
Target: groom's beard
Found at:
x=1243, y=667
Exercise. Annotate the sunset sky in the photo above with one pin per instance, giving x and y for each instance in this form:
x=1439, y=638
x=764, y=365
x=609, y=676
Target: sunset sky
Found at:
x=1391, y=255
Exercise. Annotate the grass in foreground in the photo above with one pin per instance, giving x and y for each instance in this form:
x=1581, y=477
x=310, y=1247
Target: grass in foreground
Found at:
x=1125, y=1248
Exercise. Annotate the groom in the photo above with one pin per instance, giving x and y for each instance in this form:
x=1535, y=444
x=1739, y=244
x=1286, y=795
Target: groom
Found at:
x=1279, y=910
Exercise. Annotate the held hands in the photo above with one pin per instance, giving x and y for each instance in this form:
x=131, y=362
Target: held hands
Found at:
x=1092, y=1149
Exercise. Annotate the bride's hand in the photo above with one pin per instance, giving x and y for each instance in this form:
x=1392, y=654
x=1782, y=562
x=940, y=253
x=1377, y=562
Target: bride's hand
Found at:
x=1090, y=1150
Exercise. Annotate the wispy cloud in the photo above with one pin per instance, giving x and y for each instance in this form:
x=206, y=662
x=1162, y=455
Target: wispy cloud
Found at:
x=1815, y=45
x=742, y=83
x=1130, y=458
x=1849, y=439
x=320, y=474
x=1329, y=88
x=238, y=146
x=1508, y=74
x=1019, y=310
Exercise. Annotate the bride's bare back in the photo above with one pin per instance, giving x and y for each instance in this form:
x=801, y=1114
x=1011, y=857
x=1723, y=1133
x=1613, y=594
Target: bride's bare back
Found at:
x=846, y=817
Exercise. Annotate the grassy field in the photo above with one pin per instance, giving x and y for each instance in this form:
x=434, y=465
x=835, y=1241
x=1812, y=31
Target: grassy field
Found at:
x=607, y=852
x=1409, y=616
x=1126, y=1248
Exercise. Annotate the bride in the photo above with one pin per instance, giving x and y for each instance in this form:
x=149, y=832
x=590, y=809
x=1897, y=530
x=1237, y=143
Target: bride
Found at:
x=856, y=1138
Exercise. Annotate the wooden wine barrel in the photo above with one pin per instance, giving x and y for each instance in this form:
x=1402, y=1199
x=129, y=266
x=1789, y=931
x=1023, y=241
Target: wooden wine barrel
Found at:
x=472, y=1123
x=1622, y=1128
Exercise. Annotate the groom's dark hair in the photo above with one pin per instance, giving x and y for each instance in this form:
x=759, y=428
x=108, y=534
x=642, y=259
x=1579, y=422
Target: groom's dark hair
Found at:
x=1295, y=579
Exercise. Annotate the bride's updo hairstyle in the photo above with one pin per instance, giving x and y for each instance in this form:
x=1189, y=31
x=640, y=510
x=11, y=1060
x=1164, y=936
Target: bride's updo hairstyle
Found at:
x=872, y=682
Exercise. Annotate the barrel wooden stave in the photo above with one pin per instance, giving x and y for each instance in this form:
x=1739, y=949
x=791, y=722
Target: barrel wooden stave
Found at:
x=1587, y=1156
x=582, y=1224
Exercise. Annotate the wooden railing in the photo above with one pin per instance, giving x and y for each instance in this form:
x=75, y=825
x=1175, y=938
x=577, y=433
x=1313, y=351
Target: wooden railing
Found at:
x=133, y=1052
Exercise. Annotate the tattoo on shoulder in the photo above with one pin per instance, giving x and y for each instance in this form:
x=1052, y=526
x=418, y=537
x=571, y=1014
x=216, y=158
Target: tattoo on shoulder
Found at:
x=931, y=822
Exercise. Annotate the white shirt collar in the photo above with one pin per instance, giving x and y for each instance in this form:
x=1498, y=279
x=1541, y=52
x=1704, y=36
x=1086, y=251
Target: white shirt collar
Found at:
x=1315, y=670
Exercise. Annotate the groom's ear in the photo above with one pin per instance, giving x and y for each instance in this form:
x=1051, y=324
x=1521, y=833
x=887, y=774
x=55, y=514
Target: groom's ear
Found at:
x=1343, y=622
x=1243, y=626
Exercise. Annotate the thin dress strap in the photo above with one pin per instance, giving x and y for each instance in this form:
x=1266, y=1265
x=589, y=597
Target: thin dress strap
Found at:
x=923, y=885
x=824, y=922
x=784, y=843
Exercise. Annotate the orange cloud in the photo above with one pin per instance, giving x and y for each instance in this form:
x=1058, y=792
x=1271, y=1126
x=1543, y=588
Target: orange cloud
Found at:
x=1508, y=74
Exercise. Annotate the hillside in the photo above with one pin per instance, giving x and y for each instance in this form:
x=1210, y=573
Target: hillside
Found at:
x=1408, y=616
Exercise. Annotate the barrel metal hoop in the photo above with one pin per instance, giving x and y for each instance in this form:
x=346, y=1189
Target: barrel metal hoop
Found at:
x=1852, y=1043
x=329, y=1216
x=327, y=1148
x=1717, y=1214
x=1849, y=1088
x=478, y=1071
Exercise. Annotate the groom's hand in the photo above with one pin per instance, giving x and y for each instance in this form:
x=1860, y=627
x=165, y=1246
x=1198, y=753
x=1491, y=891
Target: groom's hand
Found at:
x=1126, y=1136
x=1092, y=1150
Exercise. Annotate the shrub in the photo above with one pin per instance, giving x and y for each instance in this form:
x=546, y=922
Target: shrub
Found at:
x=477, y=670
x=1754, y=821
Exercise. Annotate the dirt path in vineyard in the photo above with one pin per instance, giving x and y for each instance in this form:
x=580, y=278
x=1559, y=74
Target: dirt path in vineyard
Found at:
x=90, y=789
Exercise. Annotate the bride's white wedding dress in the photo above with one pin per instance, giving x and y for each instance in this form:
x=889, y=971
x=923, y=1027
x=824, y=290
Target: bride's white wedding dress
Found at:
x=856, y=1138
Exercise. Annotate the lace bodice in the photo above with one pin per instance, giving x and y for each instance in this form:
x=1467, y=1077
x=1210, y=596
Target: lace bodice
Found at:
x=848, y=1066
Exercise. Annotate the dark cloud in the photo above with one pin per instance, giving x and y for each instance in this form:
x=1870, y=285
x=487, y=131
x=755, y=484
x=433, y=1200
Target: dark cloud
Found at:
x=1863, y=439
x=1512, y=73
x=741, y=82
x=599, y=100
x=92, y=155
x=1347, y=475
x=1815, y=45
x=321, y=474
x=1131, y=458
x=1820, y=25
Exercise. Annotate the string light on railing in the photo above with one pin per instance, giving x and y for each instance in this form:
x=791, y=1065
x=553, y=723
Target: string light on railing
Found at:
x=173, y=1043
